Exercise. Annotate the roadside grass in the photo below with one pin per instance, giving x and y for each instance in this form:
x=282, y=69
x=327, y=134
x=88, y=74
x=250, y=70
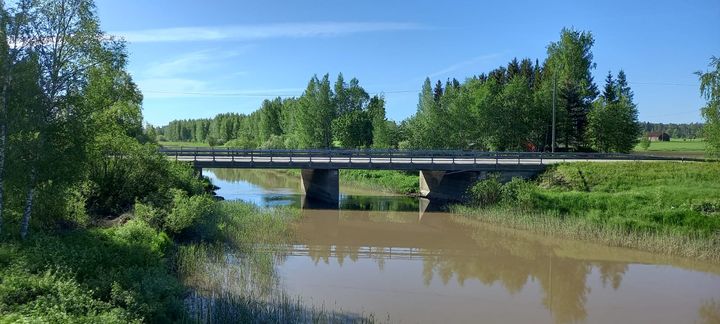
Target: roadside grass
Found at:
x=664, y=207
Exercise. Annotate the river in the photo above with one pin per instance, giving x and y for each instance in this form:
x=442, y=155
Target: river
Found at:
x=394, y=257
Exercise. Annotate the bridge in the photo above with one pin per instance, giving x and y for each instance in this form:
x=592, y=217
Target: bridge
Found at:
x=444, y=174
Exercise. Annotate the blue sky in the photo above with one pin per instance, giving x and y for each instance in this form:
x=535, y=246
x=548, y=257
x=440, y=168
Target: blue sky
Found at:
x=196, y=59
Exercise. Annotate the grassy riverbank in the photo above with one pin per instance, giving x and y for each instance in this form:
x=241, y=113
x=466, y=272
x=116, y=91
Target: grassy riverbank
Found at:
x=140, y=272
x=663, y=207
x=381, y=180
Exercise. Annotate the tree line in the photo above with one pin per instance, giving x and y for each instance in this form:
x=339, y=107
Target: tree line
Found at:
x=72, y=145
x=324, y=116
x=507, y=109
x=681, y=130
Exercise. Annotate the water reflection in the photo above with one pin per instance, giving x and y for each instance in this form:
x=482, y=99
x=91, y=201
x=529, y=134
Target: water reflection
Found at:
x=395, y=255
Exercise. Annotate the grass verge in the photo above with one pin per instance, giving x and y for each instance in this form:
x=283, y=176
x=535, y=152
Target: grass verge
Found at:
x=664, y=207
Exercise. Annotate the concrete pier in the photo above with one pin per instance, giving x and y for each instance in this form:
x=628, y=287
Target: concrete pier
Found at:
x=321, y=185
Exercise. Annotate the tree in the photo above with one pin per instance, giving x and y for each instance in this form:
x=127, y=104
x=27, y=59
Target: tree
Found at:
x=623, y=89
x=569, y=63
x=380, y=128
x=613, y=123
x=353, y=129
x=270, y=112
x=13, y=34
x=710, y=90
x=316, y=111
x=74, y=47
x=610, y=91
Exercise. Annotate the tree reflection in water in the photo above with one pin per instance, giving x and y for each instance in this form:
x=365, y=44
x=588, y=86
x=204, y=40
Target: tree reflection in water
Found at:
x=449, y=248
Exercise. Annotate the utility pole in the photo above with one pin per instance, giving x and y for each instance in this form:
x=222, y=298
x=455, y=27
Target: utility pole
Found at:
x=554, y=90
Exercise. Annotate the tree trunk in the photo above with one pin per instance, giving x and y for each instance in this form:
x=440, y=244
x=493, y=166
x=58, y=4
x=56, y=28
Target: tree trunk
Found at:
x=3, y=140
x=25, y=225
x=3, y=134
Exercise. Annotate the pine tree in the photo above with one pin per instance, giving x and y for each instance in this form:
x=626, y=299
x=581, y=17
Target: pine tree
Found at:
x=438, y=92
x=610, y=92
x=623, y=89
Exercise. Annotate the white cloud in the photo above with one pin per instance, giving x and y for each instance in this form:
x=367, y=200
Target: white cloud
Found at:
x=463, y=64
x=256, y=32
x=199, y=61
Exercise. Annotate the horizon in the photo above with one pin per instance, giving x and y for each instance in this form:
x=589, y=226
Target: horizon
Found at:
x=230, y=57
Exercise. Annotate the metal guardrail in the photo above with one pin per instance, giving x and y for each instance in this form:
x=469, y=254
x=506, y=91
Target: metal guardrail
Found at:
x=205, y=153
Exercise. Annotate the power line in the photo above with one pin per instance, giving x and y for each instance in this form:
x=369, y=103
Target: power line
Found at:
x=297, y=94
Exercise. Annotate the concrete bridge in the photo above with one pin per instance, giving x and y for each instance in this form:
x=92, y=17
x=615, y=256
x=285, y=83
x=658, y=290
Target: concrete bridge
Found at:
x=444, y=174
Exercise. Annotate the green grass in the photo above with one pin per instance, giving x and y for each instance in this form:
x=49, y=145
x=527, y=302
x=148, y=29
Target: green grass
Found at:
x=667, y=207
x=675, y=147
x=184, y=144
x=383, y=180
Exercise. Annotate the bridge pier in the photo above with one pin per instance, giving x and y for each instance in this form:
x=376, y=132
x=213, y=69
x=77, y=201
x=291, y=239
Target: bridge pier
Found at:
x=198, y=171
x=446, y=185
x=453, y=185
x=321, y=185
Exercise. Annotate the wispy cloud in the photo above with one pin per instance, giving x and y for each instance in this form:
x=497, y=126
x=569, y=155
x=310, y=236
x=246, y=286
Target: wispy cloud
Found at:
x=463, y=64
x=198, y=61
x=257, y=32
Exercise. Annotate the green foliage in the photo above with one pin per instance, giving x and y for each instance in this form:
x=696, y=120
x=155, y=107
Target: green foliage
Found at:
x=710, y=90
x=384, y=180
x=187, y=211
x=487, y=191
x=613, y=126
x=645, y=142
x=353, y=129
x=113, y=275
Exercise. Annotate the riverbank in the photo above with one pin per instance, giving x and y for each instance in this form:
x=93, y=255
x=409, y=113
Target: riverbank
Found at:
x=662, y=207
x=388, y=181
x=134, y=272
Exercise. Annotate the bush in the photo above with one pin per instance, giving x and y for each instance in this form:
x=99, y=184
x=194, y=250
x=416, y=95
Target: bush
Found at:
x=518, y=192
x=486, y=192
x=111, y=275
x=187, y=211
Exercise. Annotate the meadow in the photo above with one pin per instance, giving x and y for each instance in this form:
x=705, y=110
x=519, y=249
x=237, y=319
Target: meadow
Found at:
x=664, y=207
x=675, y=147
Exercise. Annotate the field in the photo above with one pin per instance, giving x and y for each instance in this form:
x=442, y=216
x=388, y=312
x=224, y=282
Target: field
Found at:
x=185, y=144
x=675, y=147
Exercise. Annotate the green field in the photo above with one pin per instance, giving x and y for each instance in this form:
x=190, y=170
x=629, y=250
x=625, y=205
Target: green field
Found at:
x=185, y=144
x=675, y=147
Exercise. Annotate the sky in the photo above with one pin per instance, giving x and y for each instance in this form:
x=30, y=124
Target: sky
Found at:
x=196, y=59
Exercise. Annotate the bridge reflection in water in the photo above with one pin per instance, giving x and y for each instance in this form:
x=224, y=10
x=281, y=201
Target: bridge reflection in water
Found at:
x=385, y=254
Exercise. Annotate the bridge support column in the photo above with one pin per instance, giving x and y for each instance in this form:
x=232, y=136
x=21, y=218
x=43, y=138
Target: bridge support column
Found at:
x=198, y=171
x=446, y=185
x=320, y=185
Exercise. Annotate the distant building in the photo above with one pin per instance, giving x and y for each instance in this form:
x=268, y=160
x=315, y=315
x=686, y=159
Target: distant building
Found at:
x=658, y=137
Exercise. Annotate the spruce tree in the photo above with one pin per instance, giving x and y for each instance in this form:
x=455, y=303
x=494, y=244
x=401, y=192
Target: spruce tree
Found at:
x=610, y=92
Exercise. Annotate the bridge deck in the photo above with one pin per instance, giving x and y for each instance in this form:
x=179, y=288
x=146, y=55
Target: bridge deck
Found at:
x=387, y=159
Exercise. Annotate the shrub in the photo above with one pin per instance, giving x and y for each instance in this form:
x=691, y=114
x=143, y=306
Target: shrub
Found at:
x=518, y=192
x=487, y=191
x=187, y=211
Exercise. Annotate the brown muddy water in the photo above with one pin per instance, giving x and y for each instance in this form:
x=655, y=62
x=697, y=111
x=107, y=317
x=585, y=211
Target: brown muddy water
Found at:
x=393, y=257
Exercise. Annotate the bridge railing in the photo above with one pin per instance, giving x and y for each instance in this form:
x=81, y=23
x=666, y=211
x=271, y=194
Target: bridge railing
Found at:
x=440, y=156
